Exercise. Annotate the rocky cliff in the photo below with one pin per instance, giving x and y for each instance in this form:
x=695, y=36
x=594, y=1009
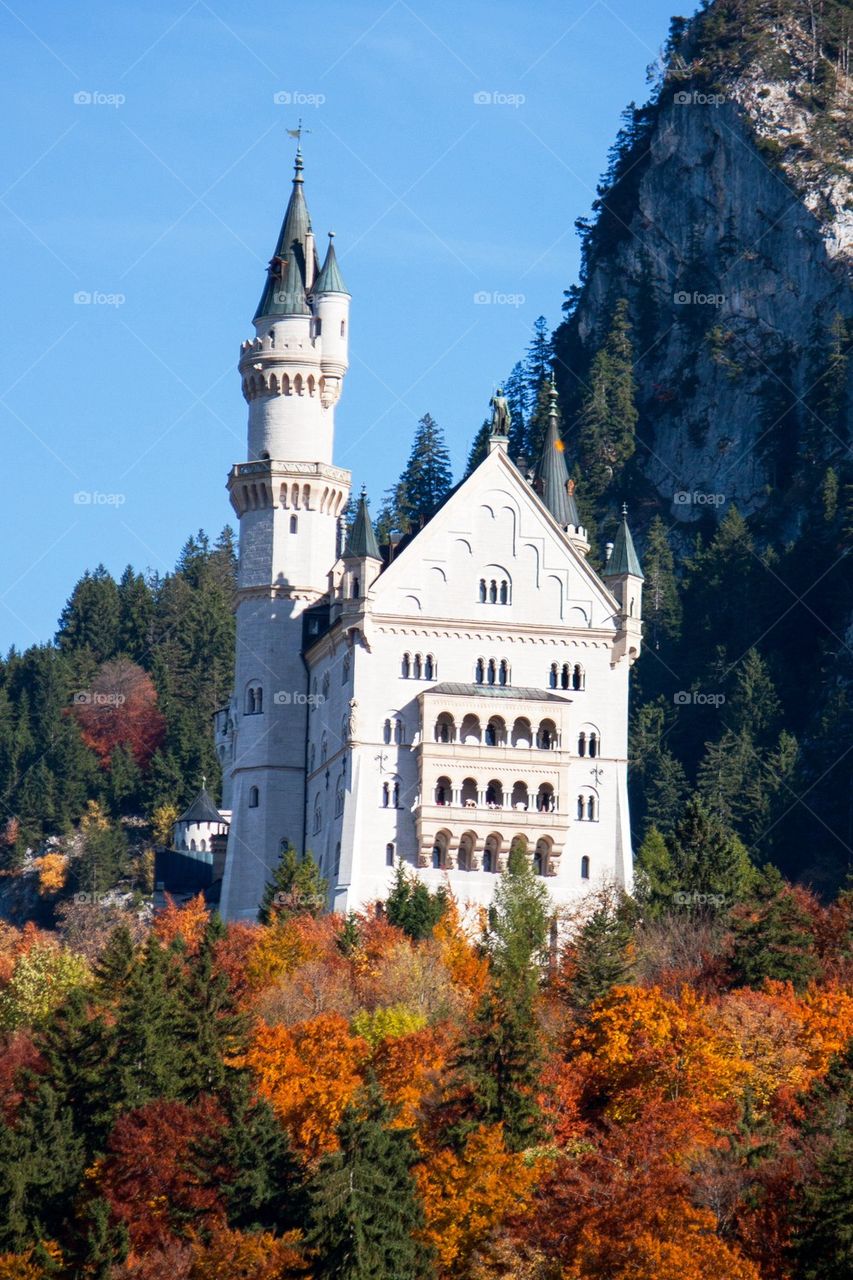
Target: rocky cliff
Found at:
x=726, y=221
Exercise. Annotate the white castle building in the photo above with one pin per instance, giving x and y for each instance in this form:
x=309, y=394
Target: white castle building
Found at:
x=431, y=701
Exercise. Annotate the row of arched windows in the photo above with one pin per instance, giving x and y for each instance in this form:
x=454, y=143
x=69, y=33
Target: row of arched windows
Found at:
x=589, y=744
x=588, y=808
x=254, y=700
x=494, y=591
x=497, y=733
x=566, y=676
x=393, y=730
x=391, y=794
x=494, y=795
x=417, y=667
x=490, y=671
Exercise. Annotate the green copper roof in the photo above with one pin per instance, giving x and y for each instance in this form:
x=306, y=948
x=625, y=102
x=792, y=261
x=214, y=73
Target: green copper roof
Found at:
x=362, y=539
x=551, y=480
x=623, y=558
x=202, y=809
x=330, y=279
x=284, y=291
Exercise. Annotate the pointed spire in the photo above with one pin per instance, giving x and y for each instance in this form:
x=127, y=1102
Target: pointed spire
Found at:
x=286, y=273
x=362, y=539
x=623, y=558
x=330, y=279
x=551, y=480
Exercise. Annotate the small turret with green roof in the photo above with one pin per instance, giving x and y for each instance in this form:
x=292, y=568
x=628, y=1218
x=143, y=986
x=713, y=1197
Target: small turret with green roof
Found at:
x=623, y=559
x=361, y=542
x=285, y=290
x=330, y=279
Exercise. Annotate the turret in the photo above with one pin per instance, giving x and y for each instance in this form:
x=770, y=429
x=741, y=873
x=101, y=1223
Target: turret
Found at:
x=551, y=479
x=360, y=562
x=330, y=299
x=624, y=576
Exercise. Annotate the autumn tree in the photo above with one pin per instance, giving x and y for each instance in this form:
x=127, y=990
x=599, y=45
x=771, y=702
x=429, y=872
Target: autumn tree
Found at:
x=119, y=709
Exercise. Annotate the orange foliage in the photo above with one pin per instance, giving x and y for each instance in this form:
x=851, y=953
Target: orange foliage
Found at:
x=309, y=1073
x=120, y=709
x=19, y=1266
x=287, y=943
x=409, y=1070
x=188, y=922
x=824, y=1016
x=19, y=1055
x=52, y=872
x=683, y=1246
x=467, y=1197
x=231, y=954
x=469, y=971
x=233, y=1255
x=640, y=1045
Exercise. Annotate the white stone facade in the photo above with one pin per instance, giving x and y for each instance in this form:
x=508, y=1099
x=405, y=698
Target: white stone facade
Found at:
x=433, y=708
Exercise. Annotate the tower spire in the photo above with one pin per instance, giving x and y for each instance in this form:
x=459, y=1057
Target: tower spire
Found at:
x=294, y=263
x=551, y=480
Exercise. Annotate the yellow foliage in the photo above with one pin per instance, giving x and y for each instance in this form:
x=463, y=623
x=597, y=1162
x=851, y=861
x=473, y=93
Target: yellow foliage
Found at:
x=234, y=1255
x=94, y=819
x=163, y=820
x=52, y=872
x=283, y=946
x=683, y=1245
x=19, y=1266
x=469, y=971
x=387, y=1024
x=467, y=1196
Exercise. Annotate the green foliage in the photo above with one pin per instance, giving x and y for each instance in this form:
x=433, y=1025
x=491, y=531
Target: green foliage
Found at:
x=297, y=887
x=822, y=1246
x=704, y=865
x=773, y=935
x=479, y=448
x=601, y=954
x=364, y=1211
x=103, y=861
x=427, y=478
x=411, y=907
x=42, y=978
x=608, y=415
x=519, y=923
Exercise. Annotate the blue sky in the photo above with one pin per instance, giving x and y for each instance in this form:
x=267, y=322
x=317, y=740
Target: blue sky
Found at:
x=145, y=164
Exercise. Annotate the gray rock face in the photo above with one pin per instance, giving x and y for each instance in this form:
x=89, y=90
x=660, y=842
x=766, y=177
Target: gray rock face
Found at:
x=734, y=250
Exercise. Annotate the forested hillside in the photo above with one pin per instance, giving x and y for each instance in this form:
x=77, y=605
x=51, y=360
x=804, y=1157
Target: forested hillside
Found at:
x=411, y=1095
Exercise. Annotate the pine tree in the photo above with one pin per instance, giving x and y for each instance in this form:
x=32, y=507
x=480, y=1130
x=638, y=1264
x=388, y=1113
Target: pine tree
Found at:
x=608, y=416
x=297, y=887
x=654, y=876
x=392, y=517
x=539, y=359
x=103, y=861
x=773, y=935
x=90, y=619
x=136, y=612
x=365, y=1214
x=822, y=1215
x=537, y=422
x=412, y=907
x=210, y=1029
x=518, y=401
x=479, y=448
x=427, y=478
x=519, y=924
x=601, y=955
x=708, y=863
x=661, y=602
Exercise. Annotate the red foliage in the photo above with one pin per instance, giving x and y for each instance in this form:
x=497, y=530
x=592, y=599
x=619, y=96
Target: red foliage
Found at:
x=119, y=709
x=147, y=1175
x=231, y=955
x=18, y=1054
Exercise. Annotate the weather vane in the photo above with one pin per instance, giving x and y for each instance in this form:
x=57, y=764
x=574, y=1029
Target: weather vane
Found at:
x=298, y=132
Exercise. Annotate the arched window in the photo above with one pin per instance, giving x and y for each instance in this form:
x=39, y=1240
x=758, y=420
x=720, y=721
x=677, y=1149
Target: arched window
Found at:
x=386, y=795
x=405, y=666
x=552, y=676
x=578, y=678
x=254, y=797
x=493, y=592
x=429, y=667
x=356, y=588
x=590, y=808
x=343, y=328
x=386, y=732
x=389, y=855
x=537, y=863
x=345, y=668
x=396, y=794
x=580, y=809
x=492, y=671
x=491, y=736
x=318, y=815
x=504, y=592
x=443, y=791
x=417, y=666
x=293, y=524
x=398, y=732
x=482, y=591
x=254, y=700
x=339, y=798
x=203, y=846
x=312, y=756
x=192, y=846
x=326, y=683
x=564, y=676
x=487, y=859
x=436, y=857
x=503, y=674
x=584, y=867
x=581, y=744
x=479, y=671
x=593, y=744
x=444, y=727
x=324, y=748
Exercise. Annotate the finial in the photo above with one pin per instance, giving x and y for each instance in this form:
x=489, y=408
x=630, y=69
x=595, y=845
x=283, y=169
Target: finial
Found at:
x=363, y=491
x=624, y=510
x=203, y=781
x=331, y=235
x=552, y=396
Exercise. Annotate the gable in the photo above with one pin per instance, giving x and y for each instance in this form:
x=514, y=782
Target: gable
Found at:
x=494, y=530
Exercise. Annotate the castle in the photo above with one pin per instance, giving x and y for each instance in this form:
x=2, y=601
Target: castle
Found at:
x=430, y=701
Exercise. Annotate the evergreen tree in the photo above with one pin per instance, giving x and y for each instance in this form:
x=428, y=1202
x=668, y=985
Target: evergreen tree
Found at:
x=519, y=923
x=136, y=613
x=90, y=619
x=608, y=416
x=411, y=907
x=822, y=1217
x=661, y=603
x=103, y=861
x=654, y=877
x=479, y=448
x=539, y=360
x=708, y=864
x=518, y=402
x=297, y=887
x=537, y=422
x=365, y=1214
x=601, y=955
x=427, y=478
x=773, y=935
x=210, y=1030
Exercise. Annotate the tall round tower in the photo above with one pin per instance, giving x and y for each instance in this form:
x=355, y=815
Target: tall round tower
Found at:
x=288, y=497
